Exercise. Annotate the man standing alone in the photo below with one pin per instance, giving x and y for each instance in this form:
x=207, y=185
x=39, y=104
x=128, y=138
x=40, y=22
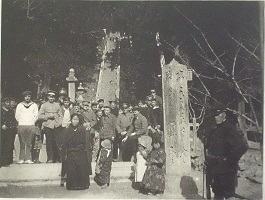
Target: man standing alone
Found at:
x=51, y=113
x=225, y=146
x=26, y=116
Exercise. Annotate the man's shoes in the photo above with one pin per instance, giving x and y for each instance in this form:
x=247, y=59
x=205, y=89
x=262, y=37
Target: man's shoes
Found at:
x=20, y=162
x=29, y=162
x=115, y=160
x=49, y=161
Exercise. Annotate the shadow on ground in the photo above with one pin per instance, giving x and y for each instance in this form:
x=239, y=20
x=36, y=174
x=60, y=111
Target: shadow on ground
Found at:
x=189, y=189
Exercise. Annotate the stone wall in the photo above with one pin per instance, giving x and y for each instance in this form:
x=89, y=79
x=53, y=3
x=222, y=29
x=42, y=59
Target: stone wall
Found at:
x=251, y=165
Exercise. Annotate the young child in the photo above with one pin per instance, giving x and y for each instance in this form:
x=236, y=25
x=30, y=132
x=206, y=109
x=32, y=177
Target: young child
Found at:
x=103, y=165
x=144, y=148
x=154, y=178
x=37, y=143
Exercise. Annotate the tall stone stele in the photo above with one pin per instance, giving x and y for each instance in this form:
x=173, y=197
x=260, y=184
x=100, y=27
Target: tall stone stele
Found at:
x=176, y=121
x=71, y=79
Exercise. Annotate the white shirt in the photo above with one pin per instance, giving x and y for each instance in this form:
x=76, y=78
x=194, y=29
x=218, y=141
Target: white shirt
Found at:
x=26, y=114
x=66, y=117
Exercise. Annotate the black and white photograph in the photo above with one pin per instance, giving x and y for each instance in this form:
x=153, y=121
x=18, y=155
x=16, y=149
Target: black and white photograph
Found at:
x=132, y=99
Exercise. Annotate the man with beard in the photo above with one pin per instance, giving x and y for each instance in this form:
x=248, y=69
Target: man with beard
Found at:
x=51, y=113
x=26, y=116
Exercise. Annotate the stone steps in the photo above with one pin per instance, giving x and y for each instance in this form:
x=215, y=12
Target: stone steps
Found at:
x=50, y=172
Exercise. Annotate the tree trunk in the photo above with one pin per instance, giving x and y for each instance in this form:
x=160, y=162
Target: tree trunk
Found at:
x=46, y=83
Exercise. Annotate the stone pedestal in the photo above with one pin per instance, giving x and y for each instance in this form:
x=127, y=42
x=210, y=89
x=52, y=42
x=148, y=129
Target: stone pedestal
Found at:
x=71, y=79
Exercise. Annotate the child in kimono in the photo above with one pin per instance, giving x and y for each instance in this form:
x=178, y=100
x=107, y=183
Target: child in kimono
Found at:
x=144, y=148
x=154, y=178
x=103, y=165
x=37, y=143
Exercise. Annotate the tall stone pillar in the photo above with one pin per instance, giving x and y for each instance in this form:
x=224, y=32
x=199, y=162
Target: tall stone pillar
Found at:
x=71, y=79
x=176, y=122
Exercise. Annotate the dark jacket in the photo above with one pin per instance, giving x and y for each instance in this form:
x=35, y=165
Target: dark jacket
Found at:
x=108, y=123
x=140, y=125
x=90, y=117
x=225, y=146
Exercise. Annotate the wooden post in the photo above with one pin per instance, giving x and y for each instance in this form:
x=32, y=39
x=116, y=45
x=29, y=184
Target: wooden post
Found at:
x=71, y=79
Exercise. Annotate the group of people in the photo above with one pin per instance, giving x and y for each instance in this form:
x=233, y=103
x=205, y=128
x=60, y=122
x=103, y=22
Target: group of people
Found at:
x=82, y=132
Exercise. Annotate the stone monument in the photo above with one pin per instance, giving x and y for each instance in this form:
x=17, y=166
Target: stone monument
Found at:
x=71, y=79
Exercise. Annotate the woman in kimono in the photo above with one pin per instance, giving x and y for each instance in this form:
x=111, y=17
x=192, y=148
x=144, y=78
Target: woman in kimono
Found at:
x=103, y=165
x=154, y=178
x=75, y=151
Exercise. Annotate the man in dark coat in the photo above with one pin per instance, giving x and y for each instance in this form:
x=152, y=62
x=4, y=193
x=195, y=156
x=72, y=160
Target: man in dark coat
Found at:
x=225, y=146
x=8, y=130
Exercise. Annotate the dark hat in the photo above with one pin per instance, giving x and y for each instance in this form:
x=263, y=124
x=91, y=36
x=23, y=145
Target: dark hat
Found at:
x=94, y=104
x=100, y=100
x=51, y=93
x=26, y=93
x=5, y=99
x=135, y=108
x=218, y=109
x=66, y=99
x=107, y=107
x=76, y=104
x=112, y=102
x=124, y=106
x=85, y=103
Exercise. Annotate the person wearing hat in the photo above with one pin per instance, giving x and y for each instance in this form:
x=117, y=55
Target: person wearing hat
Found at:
x=113, y=108
x=26, y=116
x=51, y=113
x=90, y=120
x=103, y=165
x=140, y=128
x=62, y=95
x=224, y=147
x=123, y=127
x=155, y=116
x=8, y=131
x=101, y=104
x=159, y=101
x=94, y=106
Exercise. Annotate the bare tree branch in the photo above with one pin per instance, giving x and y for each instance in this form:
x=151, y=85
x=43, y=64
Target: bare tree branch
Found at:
x=243, y=47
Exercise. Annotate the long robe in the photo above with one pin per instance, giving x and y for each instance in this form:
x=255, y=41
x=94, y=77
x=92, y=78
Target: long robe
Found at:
x=76, y=163
x=103, y=164
x=154, y=177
